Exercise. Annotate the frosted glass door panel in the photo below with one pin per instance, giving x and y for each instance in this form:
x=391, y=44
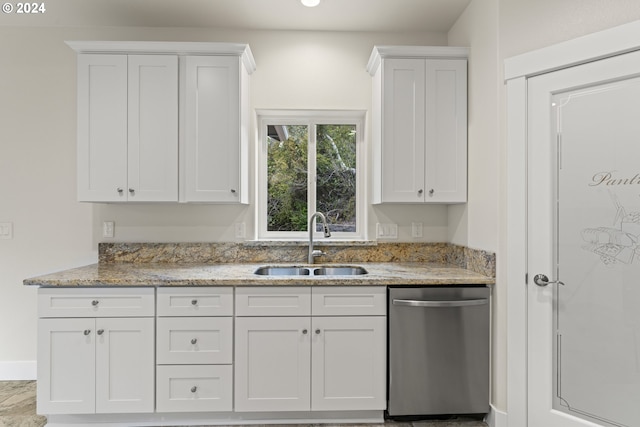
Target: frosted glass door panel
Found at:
x=597, y=310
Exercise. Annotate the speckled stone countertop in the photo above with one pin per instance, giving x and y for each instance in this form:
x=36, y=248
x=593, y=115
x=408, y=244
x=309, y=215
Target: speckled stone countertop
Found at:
x=379, y=274
x=139, y=264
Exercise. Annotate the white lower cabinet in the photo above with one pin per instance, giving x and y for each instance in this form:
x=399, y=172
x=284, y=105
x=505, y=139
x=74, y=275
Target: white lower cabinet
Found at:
x=317, y=363
x=272, y=364
x=194, y=349
x=95, y=365
x=348, y=363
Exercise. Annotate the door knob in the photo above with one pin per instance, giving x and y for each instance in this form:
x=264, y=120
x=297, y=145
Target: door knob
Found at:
x=543, y=280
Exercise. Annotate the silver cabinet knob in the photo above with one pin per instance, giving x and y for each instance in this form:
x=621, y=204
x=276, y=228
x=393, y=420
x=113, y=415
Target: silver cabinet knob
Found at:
x=431, y=192
x=194, y=341
x=233, y=190
x=194, y=302
x=87, y=331
x=317, y=331
x=420, y=191
x=100, y=331
x=120, y=190
x=95, y=302
x=131, y=191
x=305, y=332
x=194, y=389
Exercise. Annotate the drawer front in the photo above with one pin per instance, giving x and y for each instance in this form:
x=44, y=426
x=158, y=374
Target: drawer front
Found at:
x=199, y=388
x=193, y=301
x=96, y=302
x=273, y=301
x=194, y=340
x=349, y=301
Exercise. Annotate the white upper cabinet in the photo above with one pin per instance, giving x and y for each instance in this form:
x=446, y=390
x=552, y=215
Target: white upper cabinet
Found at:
x=163, y=121
x=419, y=124
x=127, y=128
x=215, y=125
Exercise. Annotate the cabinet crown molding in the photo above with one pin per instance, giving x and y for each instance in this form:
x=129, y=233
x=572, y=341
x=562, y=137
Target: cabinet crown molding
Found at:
x=431, y=52
x=241, y=50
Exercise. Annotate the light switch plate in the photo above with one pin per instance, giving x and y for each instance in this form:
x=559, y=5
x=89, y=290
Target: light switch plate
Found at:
x=108, y=229
x=387, y=231
x=240, y=230
x=416, y=229
x=6, y=230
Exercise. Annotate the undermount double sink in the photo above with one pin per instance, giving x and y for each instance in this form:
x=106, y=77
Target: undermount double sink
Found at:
x=311, y=271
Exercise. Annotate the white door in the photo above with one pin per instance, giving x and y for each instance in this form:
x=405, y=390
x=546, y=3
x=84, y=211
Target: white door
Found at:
x=66, y=366
x=102, y=128
x=584, y=230
x=348, y=363
x=446, y=131
x=403, y=139
x=153, y=128
x=125, y=365
x=212, y=129
x=273, y=364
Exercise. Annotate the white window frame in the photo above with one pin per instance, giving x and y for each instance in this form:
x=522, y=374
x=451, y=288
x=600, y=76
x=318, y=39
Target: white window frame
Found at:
x=310, y=118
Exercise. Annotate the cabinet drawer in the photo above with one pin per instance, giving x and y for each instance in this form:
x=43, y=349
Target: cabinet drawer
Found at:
x=194, y=340
x=195, y=301
x=201, y=388
x=273, y=301
x=349, y=301
x=96, y=302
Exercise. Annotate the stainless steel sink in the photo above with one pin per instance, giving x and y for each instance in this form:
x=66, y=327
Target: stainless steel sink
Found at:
x=349, y=270
x=339, y=271
x=282, y=271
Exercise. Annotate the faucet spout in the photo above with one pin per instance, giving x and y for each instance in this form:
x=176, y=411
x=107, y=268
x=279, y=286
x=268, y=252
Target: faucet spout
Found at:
x=327, y=233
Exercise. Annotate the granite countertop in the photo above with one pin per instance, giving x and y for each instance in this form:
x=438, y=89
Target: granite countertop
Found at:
x=233, y=274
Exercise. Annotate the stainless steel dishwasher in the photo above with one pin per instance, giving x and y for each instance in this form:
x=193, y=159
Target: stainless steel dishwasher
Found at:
x=438, y=351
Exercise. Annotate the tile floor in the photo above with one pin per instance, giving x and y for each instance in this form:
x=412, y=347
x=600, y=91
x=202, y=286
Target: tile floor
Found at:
x=18, y=409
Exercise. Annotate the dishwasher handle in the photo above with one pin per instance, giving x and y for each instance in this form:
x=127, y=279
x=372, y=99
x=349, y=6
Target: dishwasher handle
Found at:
x=442, y=303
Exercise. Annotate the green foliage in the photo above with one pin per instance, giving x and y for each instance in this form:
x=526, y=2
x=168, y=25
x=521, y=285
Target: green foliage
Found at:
x=336, y=178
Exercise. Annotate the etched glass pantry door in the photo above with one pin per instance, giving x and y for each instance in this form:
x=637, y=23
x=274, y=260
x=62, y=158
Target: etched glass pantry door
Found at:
x=584, y=245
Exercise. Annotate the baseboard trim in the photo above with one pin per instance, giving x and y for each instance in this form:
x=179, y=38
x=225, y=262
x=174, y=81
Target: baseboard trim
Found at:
x=496, y=418
x=18, y=371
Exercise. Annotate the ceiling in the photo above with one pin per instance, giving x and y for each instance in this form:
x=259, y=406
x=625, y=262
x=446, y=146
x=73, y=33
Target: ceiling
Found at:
x=330, y=15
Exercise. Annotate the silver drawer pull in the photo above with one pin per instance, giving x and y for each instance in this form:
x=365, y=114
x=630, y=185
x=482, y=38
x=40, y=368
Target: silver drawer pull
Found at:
x=453, y=303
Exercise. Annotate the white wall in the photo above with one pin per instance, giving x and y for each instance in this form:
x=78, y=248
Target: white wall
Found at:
x=37, y=163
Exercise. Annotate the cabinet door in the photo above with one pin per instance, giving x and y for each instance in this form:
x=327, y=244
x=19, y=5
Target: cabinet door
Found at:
x=102, y=128
x=446, y=131
x=66, y=366
x=348, y=363
x=153, y=128
x=272, y=364
x=212, y=129
x=403, y=130
x=125, y=365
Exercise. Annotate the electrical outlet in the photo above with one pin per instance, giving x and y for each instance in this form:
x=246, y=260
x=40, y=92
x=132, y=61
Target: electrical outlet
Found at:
x=387, y=231
x=6, y=230
x=240, y=230
x=108, y=229
x=416, y=229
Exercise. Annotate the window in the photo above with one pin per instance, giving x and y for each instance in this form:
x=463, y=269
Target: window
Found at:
x=310, y=161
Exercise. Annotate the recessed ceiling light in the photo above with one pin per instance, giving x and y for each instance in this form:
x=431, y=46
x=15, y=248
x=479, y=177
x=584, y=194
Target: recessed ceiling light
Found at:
x=310, y=3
